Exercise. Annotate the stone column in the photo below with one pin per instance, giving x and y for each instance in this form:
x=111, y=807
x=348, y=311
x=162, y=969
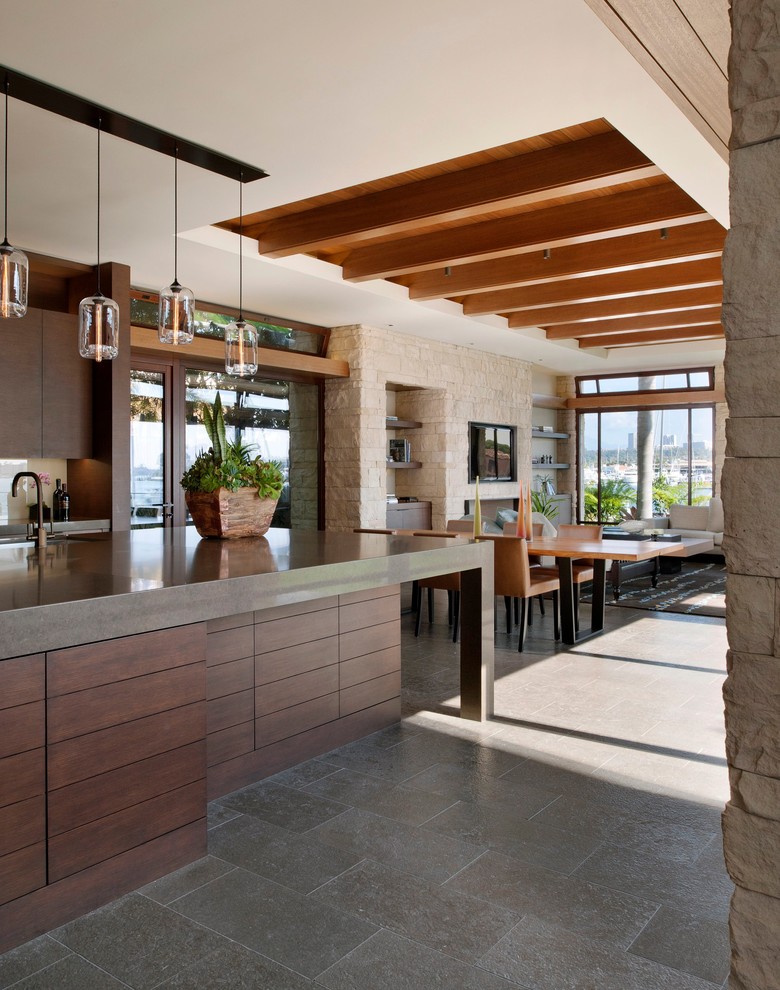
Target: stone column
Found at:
x=567, y=449
x=304, y=453
x=750, y=482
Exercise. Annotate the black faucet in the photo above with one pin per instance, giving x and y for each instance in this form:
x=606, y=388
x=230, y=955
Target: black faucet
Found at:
x=40, y=533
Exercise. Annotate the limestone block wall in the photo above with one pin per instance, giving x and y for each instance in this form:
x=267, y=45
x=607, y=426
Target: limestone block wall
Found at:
x=567, y=449
x=751, y=478
x=304, y=454
x=442, y=386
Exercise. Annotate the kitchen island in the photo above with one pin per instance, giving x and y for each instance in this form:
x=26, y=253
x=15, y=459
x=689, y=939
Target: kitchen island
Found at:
x=143, y=673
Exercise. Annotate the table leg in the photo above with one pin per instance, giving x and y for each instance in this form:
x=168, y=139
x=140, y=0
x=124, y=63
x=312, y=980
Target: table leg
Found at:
x=476, y=643
x=599, y=594
x=568, y=604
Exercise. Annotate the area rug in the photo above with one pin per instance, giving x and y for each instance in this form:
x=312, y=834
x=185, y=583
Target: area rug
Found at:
x=699, y=589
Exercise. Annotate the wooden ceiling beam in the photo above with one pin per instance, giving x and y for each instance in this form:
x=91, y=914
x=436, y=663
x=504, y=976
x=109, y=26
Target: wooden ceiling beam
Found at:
x=563, y=170
x=690, y=242
x=687, y=275
x=610, y=309
x=654, y=321
x=646, y=208
x=673, y=335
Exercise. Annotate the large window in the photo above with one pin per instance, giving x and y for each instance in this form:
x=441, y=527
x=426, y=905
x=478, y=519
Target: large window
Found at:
x=641, y=461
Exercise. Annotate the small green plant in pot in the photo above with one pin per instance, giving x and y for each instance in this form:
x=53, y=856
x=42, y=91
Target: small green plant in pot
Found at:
x=229, y=493
x=544, y=503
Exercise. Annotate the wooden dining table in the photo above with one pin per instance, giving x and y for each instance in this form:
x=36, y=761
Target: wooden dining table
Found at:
x=565, y=549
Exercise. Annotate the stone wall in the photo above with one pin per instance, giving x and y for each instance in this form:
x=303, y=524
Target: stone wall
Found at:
x=441, y=386
x=751, y=476
x=304, y=454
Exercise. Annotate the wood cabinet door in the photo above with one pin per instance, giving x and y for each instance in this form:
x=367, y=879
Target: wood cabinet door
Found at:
x=20, y=387
x=67, y=390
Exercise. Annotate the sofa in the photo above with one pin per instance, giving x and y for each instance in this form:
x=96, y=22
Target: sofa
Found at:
x=705, y=521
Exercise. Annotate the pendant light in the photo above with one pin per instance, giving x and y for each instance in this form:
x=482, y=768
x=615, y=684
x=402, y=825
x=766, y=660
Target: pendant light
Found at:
x=98, y=316
x=14, y=266
x=240, y=337
x=176, y=310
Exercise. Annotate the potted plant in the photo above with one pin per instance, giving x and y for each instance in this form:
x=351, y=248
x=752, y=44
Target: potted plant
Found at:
x=544, y=503
x=228, y=493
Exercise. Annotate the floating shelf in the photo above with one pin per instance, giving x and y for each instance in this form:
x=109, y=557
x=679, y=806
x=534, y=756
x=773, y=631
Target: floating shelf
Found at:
x=549, y=467
x=404, y=464
x=547, y=435
x=402, y=424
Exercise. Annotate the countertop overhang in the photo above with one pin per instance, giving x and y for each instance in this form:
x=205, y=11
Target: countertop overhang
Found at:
x=118, y=584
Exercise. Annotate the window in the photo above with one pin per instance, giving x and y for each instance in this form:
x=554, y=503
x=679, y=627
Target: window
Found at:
x=644, y=460
x=687, y=380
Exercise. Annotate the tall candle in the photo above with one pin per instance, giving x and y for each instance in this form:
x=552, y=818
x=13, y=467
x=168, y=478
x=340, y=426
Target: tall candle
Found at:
x=477, y=512
x=521, y=513
x=530, y=516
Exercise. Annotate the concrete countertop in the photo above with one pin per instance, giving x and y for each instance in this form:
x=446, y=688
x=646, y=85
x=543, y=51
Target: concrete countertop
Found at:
x=19, y=529
x=117, y=584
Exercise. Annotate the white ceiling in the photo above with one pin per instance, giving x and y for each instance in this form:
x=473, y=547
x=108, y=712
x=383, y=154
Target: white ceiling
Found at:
x=323, y=94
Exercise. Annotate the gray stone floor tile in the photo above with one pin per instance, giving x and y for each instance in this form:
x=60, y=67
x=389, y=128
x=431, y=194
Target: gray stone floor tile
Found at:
x=393, y=763
x=234, y=967
x=303, y=773
x=287, y=807
x=564, y=901
x=138, y=941
x=71, y=973
x=702, y=893
x=692, y=945
x=569, y=812
x=446, y=920
x=459, y=784
x=218, y=813
x=30, y=958
x=304, y=935
x=677, y=842
x=545, y=957
x=185, y=880
x=418, y=851
x=389, y=962
x=296, y=861
x=400, y=803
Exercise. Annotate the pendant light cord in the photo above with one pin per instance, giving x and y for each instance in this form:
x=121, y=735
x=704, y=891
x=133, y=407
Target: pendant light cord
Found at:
x=5, y=169
x=176, y=215
x=241, y=246
x=99, y=127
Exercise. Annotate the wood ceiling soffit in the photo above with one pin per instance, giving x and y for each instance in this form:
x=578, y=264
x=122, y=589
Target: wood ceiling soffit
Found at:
x=610, y=309
x=689, y=242
x=689, y=274
x=674, y=335
x=647, y=208
x=564, y=170
x=654, y=321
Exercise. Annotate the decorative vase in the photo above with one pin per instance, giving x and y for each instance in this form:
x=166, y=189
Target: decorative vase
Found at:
x=230, y=515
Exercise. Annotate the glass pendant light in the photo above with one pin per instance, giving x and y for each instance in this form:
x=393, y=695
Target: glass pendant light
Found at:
x=14, y=266
x=98, y=316
x=176, y=310
x=240, y=337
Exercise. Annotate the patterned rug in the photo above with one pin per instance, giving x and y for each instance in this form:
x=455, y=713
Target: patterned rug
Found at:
x=699, y=589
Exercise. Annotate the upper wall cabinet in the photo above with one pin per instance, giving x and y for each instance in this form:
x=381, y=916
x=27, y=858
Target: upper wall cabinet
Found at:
x=45, y=388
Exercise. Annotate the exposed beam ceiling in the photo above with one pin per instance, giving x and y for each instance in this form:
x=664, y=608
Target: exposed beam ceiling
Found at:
x=575, y=232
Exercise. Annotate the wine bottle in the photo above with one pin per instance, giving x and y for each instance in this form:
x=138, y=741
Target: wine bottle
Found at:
x=64, y=504
x=56, y=506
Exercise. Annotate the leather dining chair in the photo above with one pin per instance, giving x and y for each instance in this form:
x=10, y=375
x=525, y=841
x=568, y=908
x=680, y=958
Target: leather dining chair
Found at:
x=441, y=582
x=514, y=577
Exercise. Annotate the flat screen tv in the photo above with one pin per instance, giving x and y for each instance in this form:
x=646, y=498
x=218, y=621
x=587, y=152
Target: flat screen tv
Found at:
x=492, y=452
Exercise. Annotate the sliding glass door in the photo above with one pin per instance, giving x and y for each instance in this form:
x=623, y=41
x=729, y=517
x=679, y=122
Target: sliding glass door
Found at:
x=151, y=496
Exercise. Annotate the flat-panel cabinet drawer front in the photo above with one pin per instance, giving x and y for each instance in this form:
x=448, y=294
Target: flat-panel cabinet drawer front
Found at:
x=229, y=743
x=370, y=693
x=22, y=728
x=112, y=704
x=369, y=594
x=230, y=644
x=412, y=515
x=108, y=837
x=82, y=667
x=98, y=752
x=291, y=721
x=370, y=613
x=296, y=629
x=296, y=608
x=88, y=800
x=295, y=690
x=232, y=710
x=22, y=680
x=22, y=824
x=22, y=871
x=370, y=640
x=296, y=660
x=228, y=678
x=229, y=622
x=368, y=667
x=22, y=776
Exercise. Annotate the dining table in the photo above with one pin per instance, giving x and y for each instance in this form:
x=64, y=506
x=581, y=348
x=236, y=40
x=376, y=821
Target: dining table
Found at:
x=566, y=549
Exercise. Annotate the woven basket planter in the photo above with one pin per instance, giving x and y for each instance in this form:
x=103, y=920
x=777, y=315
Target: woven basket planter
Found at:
x=230, y=515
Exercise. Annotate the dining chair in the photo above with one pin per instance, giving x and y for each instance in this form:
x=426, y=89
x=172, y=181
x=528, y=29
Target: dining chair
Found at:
x=513, y=577
x=441, y=582
x=581, y=567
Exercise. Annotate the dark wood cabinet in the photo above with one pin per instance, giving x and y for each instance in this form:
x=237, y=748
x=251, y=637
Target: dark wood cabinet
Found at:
x=45, y=388
x=66, y=390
